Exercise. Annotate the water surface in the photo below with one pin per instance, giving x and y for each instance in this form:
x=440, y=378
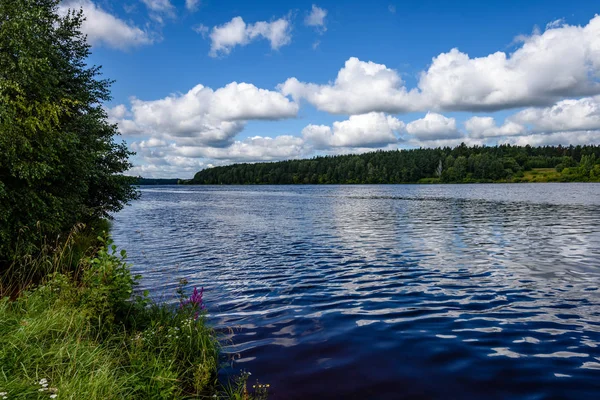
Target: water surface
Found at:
x=387, y=291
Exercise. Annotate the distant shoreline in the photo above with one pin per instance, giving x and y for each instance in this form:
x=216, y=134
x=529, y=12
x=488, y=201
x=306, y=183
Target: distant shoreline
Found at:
x=461, y=164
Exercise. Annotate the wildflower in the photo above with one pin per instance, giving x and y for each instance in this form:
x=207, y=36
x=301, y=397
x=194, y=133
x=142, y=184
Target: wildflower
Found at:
x=53, y=396
x=43, y=381
x=195, y=300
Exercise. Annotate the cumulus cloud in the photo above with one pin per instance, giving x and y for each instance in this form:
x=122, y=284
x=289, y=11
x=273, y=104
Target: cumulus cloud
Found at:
x=316, y=19
x=103, y=28
x=561, y=62
x=237, y=33
x=162, y=159
x=360, y=87
x=203, y=115
x=484, y=127
x=433, y=127
x=556, y=138
x=252, y=149
x=366, y=130
x=581, y=116
x=566, y=115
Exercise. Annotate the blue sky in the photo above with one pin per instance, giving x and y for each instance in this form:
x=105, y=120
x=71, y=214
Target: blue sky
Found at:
x=523, y=72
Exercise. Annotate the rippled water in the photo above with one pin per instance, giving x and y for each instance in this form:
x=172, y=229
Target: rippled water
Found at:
x=457, y=291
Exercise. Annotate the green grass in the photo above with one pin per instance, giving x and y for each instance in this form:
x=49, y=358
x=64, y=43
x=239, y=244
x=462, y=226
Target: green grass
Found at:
x=552, y=175
x=82, y=334
x=541, y=175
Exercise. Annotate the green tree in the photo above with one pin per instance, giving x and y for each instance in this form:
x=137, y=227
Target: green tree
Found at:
x=59, y=162
x=587, y=164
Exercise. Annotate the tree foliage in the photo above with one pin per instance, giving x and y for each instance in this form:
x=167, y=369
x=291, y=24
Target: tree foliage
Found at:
x=59, y=163
x=503, y=163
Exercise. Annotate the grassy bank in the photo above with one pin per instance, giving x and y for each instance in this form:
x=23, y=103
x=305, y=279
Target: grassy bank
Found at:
x=83, y=334
x=553, y=175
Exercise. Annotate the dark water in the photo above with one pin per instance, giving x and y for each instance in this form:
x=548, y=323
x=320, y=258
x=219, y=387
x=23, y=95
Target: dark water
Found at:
x=372, y=292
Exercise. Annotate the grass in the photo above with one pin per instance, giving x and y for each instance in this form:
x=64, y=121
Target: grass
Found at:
x=83, y=334
x=542, y=175
x=552, y=175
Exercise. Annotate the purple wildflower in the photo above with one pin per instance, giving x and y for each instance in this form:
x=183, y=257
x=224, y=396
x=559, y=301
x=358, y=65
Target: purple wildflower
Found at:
x=195, y=301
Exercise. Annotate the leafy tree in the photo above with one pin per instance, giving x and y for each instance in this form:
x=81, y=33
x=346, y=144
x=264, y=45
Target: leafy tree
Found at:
x=59, y=163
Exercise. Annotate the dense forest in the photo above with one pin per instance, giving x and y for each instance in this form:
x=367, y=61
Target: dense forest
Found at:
x=156, y=181
x=461, y=164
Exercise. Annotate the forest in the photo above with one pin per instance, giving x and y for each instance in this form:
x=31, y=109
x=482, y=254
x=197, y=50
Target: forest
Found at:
x=461, y=164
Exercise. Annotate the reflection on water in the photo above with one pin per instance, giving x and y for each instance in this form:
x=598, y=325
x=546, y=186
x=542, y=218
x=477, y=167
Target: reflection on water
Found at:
x=394, y=291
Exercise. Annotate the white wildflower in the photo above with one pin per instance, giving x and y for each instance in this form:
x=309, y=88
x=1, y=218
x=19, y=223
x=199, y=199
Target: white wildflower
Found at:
x=53, y=396
x=43, y=381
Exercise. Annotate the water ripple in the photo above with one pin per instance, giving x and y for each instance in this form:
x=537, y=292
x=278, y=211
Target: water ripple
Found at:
x=458, y=291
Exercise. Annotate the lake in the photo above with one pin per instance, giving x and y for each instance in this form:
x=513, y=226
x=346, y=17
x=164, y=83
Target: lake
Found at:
x=387, y=291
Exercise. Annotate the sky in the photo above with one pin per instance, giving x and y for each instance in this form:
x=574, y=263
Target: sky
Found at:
x=202, y=83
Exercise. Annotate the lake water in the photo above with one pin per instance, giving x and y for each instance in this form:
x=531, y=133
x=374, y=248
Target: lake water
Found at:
x=387, y=291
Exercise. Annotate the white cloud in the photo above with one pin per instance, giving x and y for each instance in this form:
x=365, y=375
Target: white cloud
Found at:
x=581, y=116
x=160, y=6
x=250, y=150
x=192, y=5
x=316, y=19
x=237, y=33
x=366, y=130
x=433, y=127
x=566, y=115
x=102, y=28
x=485, y=127
x=161, y=159
x=561, y=62
x=159, y=9
x=201, y=29
x=203, y=115
x=392, y=8
x=360, y=87
x=556, y=138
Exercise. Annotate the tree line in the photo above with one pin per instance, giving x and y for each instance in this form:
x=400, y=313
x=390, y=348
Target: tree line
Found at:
x=461, y=164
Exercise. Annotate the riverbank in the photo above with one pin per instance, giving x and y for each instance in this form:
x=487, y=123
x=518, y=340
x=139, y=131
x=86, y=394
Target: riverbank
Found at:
x=85, y=334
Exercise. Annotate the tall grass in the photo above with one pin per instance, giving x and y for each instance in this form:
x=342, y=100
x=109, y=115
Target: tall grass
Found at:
x=82, y=333
x=64, y=254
